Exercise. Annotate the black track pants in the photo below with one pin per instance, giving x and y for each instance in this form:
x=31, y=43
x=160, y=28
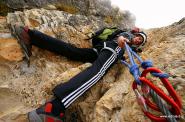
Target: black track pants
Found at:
x=68, y=92
x=60, y=47
x=75, y=87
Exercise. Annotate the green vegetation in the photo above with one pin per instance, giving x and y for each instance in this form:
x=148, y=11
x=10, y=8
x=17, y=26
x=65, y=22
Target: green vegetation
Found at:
x=67, y=8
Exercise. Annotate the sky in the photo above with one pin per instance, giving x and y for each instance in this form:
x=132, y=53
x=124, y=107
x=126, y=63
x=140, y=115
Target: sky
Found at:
x=153, y=13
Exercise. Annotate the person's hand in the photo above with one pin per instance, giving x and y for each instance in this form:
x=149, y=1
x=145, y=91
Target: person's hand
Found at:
x=121, y=41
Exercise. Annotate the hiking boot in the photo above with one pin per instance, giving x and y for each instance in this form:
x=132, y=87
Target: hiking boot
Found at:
x=21, y=33
x=43, y=114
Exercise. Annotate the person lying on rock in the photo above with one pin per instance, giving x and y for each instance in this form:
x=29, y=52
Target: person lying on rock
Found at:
x=102, y=55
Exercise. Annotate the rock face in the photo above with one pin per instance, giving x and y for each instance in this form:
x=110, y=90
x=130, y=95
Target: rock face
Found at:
x=99, y=8
x=23, y=88
x=28, y=3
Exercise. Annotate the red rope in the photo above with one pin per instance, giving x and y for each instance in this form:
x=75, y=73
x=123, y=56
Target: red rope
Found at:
x=174, y=100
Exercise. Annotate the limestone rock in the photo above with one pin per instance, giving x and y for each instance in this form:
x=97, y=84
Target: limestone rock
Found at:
x=101, y=9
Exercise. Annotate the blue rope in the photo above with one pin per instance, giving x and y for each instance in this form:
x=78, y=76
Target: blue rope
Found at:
x=147, y=64
x=137, y=56
x=127, y=64
x=134, y=69
x=129, y=51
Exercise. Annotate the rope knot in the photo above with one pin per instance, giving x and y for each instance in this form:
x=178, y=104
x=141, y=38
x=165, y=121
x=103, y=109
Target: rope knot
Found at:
x=134, y=70
x=146, y=64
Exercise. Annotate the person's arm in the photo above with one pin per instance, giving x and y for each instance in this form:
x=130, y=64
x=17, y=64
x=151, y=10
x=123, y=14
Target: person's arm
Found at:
x=121, y=41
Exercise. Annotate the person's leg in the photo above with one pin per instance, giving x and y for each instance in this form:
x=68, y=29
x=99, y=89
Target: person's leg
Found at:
x=58, y=46
x=68, y=92
x=75, y=87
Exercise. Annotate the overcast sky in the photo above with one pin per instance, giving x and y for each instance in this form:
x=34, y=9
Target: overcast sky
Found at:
x=153, y=13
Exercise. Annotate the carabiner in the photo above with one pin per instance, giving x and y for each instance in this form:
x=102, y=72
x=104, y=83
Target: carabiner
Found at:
x=141, y=100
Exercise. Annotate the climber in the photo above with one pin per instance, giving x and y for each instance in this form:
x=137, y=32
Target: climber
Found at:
x=102, y=56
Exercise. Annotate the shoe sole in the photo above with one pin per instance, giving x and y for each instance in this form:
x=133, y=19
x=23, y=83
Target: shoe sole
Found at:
x=25, y=51
x=34, y=117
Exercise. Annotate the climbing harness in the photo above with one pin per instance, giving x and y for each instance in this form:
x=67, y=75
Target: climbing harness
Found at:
x=169, y=105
